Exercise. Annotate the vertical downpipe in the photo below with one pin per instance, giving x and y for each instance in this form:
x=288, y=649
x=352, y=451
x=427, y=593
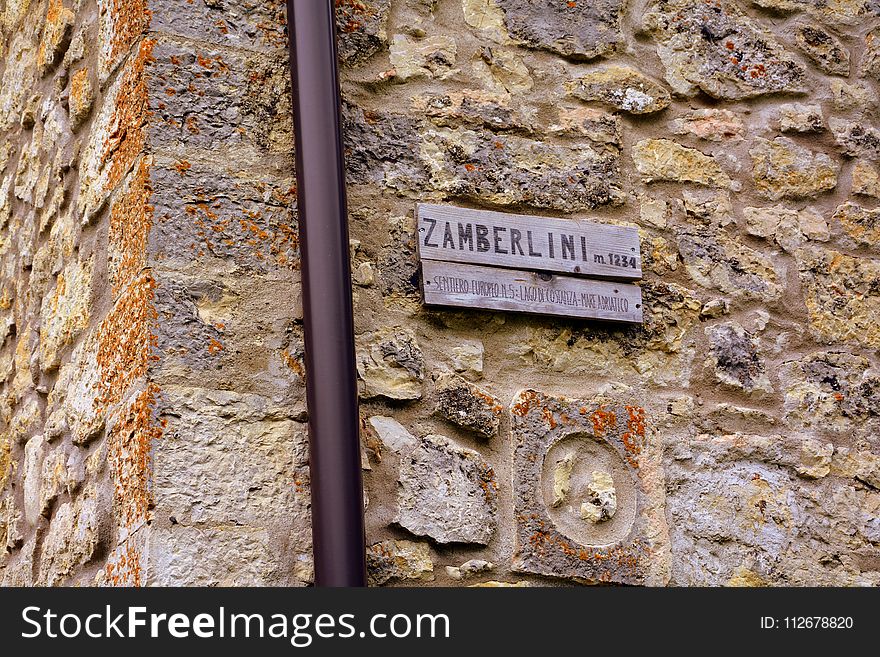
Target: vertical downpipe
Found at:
x=331, y=385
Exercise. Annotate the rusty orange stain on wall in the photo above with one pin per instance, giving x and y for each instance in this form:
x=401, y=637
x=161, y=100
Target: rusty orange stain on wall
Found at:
x=129, y=120
x=131, y=219
x=129, y=453
x=126, y=340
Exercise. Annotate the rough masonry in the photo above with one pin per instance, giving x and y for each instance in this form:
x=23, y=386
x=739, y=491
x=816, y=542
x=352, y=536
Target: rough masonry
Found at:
x=152, y=413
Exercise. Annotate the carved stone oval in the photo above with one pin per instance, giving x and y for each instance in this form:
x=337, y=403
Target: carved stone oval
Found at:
x=577, y=457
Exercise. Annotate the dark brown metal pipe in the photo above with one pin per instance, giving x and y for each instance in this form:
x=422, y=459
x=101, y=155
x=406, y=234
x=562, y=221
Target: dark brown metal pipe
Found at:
x=331, y=385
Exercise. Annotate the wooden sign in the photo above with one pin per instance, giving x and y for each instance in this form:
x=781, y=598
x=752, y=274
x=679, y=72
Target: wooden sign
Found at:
x=452, y=234
x=495, y=288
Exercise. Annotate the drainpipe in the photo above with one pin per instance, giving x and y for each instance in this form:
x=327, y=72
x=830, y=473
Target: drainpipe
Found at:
x=331, y=385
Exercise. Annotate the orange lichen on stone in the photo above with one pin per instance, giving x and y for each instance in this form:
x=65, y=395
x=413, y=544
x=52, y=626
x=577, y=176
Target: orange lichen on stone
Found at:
x=215, y=347
x=602, y=421
x=524, y=403
x=81, y=95
x=125, y=569
x=59, y=20
x=548, y=417
x=129, y=454
x=126, y=340
x=351, y=14
x=130, y=18
x=130, y=222
x=634, y=438
x=128, y=124
x=293, y=363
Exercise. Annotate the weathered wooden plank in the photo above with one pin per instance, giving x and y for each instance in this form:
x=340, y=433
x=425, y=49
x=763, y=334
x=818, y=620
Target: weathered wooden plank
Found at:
x=496, y=288
x=583, y=248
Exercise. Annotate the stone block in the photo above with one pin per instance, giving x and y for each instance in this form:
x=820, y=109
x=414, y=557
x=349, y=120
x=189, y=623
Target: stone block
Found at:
x=399, y=560
x=469, y=407
x=579, y=30
x=447, y=493
x=390, y=364
x=588, y=490
x=716, y=48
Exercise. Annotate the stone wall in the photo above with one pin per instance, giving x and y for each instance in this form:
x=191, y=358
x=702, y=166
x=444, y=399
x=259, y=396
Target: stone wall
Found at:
x=152, y=408
x=152, y=405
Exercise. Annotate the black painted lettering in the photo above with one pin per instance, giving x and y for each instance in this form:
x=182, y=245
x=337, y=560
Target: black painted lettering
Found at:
x=496, y=230
x=515, y=237
x=567, y=246
x=433, y=223
x=532, y=252
x=465, y=235
x=482, y=243
x=447, y=237
x=583, y=248
x=550, y=242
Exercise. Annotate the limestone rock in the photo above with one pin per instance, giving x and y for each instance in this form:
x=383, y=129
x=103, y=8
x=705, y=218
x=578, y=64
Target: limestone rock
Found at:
x=390, y=364
x=66, y=312
x=56, y=36
x=664, y=159
x=815, y=459
x=399, y=560
x=467, y=358
x=447, y=493
x=862, y=224
x=361, y=26
x=503, y=70
x=562, y=480
x=846, y=97
x=33, y=469
x=82, y=96
x=432, y=57
x=214, y=556
x=839, y=12
x=871, y=61
x=784, y=169
x=471, y=107
x=714, y=47
x=468, y=406
x=393, y=434
x=653, y=212
x=508, y=170
x=866, y=179
x=494, y=585
x=493, y=168
x=581, y=30
x=16, y=81
x=601, y=502
x=596, y=125
x=469, y=569
x=735, y=360
x=622, y=88
x=717, y=261
x=6, y=462
x=224, y=458
x=73, y=538
x=840, y=296
x=823, y=48
x=659, y=351
x=799, y=117
x=62, y=472
x=710, y=124
x=856, y=139
x=813, y=225
x=788, y=228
